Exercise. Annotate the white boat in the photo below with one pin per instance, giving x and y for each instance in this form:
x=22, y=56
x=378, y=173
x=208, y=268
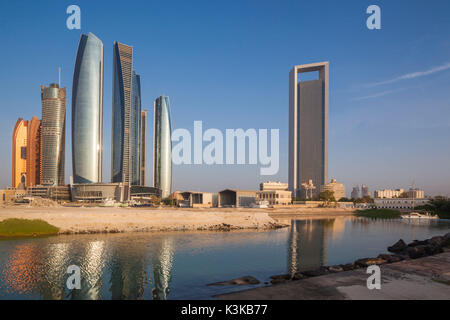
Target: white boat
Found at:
x=262, y=204
x=417, y=215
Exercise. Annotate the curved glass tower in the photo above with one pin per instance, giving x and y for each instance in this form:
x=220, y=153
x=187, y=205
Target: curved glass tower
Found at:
x=162, y=147
x=53, y=134
x=87, y=111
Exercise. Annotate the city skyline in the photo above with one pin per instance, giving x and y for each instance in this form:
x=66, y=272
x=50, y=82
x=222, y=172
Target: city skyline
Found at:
x=379, y=104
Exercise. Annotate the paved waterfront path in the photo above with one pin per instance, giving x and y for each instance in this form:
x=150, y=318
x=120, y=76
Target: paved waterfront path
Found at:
x=424, y=278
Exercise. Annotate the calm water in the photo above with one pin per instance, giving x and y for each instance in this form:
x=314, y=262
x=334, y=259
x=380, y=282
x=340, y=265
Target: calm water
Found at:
x=179, y=265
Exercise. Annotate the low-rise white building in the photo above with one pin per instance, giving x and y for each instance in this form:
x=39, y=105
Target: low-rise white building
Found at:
x=416, y=193
x=399, y=203
x=270, y=185
x=274, y=197
x=387, y=193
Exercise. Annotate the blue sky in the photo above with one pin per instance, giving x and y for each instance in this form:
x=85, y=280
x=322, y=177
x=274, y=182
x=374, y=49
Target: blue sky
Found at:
x=227, y=63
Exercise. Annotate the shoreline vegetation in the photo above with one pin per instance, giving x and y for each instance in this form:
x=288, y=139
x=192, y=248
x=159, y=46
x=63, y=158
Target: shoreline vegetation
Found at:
x=14, y=227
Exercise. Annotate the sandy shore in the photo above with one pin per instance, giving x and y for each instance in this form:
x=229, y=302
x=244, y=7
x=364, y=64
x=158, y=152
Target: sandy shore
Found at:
x=72, y=220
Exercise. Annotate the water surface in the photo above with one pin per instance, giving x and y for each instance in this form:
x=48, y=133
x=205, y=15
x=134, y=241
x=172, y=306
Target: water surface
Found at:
x=179, y=265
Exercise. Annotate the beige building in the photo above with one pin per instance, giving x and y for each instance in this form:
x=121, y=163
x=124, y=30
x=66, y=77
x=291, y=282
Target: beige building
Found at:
x=275, y=197
x=387, y=193
x=270, y=185
x=7, y=195
x=195, y=199
x=337, y=188
x=236, y=198
x=416, y=193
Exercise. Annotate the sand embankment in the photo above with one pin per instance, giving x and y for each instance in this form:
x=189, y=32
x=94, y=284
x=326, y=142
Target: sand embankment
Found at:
x=72, y=220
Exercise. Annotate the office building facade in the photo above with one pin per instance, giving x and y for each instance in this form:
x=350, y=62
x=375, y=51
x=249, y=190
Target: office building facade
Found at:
x=162, y=147
x=143, y=147
x=87, y=111
x=337, y=188
x=308, y=127
x=135, y=130
x=126, y=130
x=26, y=153
x=121, y=105
x=53, y=134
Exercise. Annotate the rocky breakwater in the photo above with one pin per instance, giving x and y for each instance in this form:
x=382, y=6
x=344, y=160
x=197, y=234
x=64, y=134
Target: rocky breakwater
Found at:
x=400, y=251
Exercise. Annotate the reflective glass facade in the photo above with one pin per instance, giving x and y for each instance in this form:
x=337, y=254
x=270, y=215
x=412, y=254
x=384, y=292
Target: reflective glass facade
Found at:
x=135, y=125
x=162, y=147
x=121, y=105
x=87, y=111
x=53, y=134
x=126, y=129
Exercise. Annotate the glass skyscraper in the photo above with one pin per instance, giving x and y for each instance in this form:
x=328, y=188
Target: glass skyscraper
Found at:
x=162, y=147
x=135, y=132
x=308, y=128
x=87, y=111
x=142, y=146
x=53, y=134
x=126, y=130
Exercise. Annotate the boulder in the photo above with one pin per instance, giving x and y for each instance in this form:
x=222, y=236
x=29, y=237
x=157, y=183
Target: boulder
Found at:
x=298, y=276
x=347, y=267
x=238, y=281
x=335, y=269
x=316, y=272
x=446, y=241
x=390, y=258
x=433, y=248
x=278, y=281
x=281, y=276
x=369, y=262
x=417, y=252
x=416, y=243
x=398, y=247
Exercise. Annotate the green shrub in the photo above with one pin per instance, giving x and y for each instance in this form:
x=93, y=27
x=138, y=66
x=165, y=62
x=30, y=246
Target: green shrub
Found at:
x=25, y=228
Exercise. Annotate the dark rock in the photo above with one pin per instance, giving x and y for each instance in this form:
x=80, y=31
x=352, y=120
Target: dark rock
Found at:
x=347, y=267
x=238, y=281
x=446, y=242
x=281, y=276
x=416, y=243
x=390, y=258
x=278, y=281
x=417, y=252
x=433, y=248
x=298, y=276
x=398, y=247
x=317, y=272
x=369, y=262
x=436, y=241
x=335, y=269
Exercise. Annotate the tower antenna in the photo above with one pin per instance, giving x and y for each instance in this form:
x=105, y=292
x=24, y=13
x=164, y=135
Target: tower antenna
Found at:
x=59, y=77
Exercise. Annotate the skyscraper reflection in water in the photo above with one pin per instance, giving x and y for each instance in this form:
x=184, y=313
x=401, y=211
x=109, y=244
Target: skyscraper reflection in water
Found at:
x=307, y=244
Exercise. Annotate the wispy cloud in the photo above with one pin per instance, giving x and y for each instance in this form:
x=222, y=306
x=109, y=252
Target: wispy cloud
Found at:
x=376, y=95
x=411, y=75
